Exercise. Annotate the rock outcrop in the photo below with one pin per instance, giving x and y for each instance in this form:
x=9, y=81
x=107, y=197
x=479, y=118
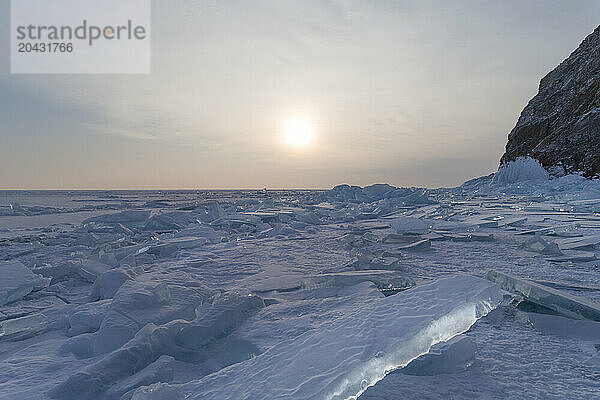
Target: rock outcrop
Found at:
x=560, y=126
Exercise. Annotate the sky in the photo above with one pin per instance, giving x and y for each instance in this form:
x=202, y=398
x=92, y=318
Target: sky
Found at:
x=410, y=93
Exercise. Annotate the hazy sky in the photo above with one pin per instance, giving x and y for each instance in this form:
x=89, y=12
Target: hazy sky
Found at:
x=411, y=93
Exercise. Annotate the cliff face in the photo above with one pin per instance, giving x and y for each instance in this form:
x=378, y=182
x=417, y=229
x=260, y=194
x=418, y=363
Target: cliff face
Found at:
x=560, y=126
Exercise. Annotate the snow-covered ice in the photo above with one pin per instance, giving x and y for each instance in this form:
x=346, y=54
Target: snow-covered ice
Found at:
x=377, y=292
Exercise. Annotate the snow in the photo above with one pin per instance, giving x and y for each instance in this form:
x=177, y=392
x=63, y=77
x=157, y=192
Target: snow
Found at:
x=303, y=294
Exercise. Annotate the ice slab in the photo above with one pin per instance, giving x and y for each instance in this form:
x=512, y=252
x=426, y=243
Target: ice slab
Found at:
x=167, y=222
x=453, y=356
x=568, y=286
x=16, y=281
x=480, y=222
x=30, y=305
x=409, y=225
x=23, y=327
x=538, y=245
x=567, y=231
x=365, y=226
x=281, y=281
x=87, y=318
x=548, y=230
x=91, y=269
x=469, y=237
x=583, y=243
x=386, y=281
x=211, y=211
x=129, y=219
x=33, y=324
x=138, y=353
x=108, y=283
x=512, y=221
x=394, y=238
x=421, y=245
x=560, y=302
x=170, y=246
x=574, y=257
x=376, y=263
x=265, y=216
x=203, y=231
x=218, y=318
x=344, y=357
x=273, y=280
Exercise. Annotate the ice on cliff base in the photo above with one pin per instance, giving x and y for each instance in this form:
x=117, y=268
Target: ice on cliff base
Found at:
x=522, y=169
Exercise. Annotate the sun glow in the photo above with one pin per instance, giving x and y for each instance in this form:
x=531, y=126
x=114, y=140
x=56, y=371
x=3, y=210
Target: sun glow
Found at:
x=298, y=132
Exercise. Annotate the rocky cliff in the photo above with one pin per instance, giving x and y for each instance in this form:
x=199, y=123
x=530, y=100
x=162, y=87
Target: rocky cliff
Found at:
x=560, y=126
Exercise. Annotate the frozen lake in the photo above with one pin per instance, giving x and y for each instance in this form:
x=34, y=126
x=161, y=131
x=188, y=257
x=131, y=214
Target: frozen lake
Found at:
x=299, y=294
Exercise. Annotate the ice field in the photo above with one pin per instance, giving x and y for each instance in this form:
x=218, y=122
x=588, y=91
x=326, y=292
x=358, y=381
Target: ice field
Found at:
x=489, y=290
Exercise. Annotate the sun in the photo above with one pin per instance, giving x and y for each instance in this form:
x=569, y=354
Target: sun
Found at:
x=298, y=132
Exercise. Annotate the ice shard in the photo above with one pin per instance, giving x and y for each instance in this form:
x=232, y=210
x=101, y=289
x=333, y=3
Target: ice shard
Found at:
x=556, y=300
